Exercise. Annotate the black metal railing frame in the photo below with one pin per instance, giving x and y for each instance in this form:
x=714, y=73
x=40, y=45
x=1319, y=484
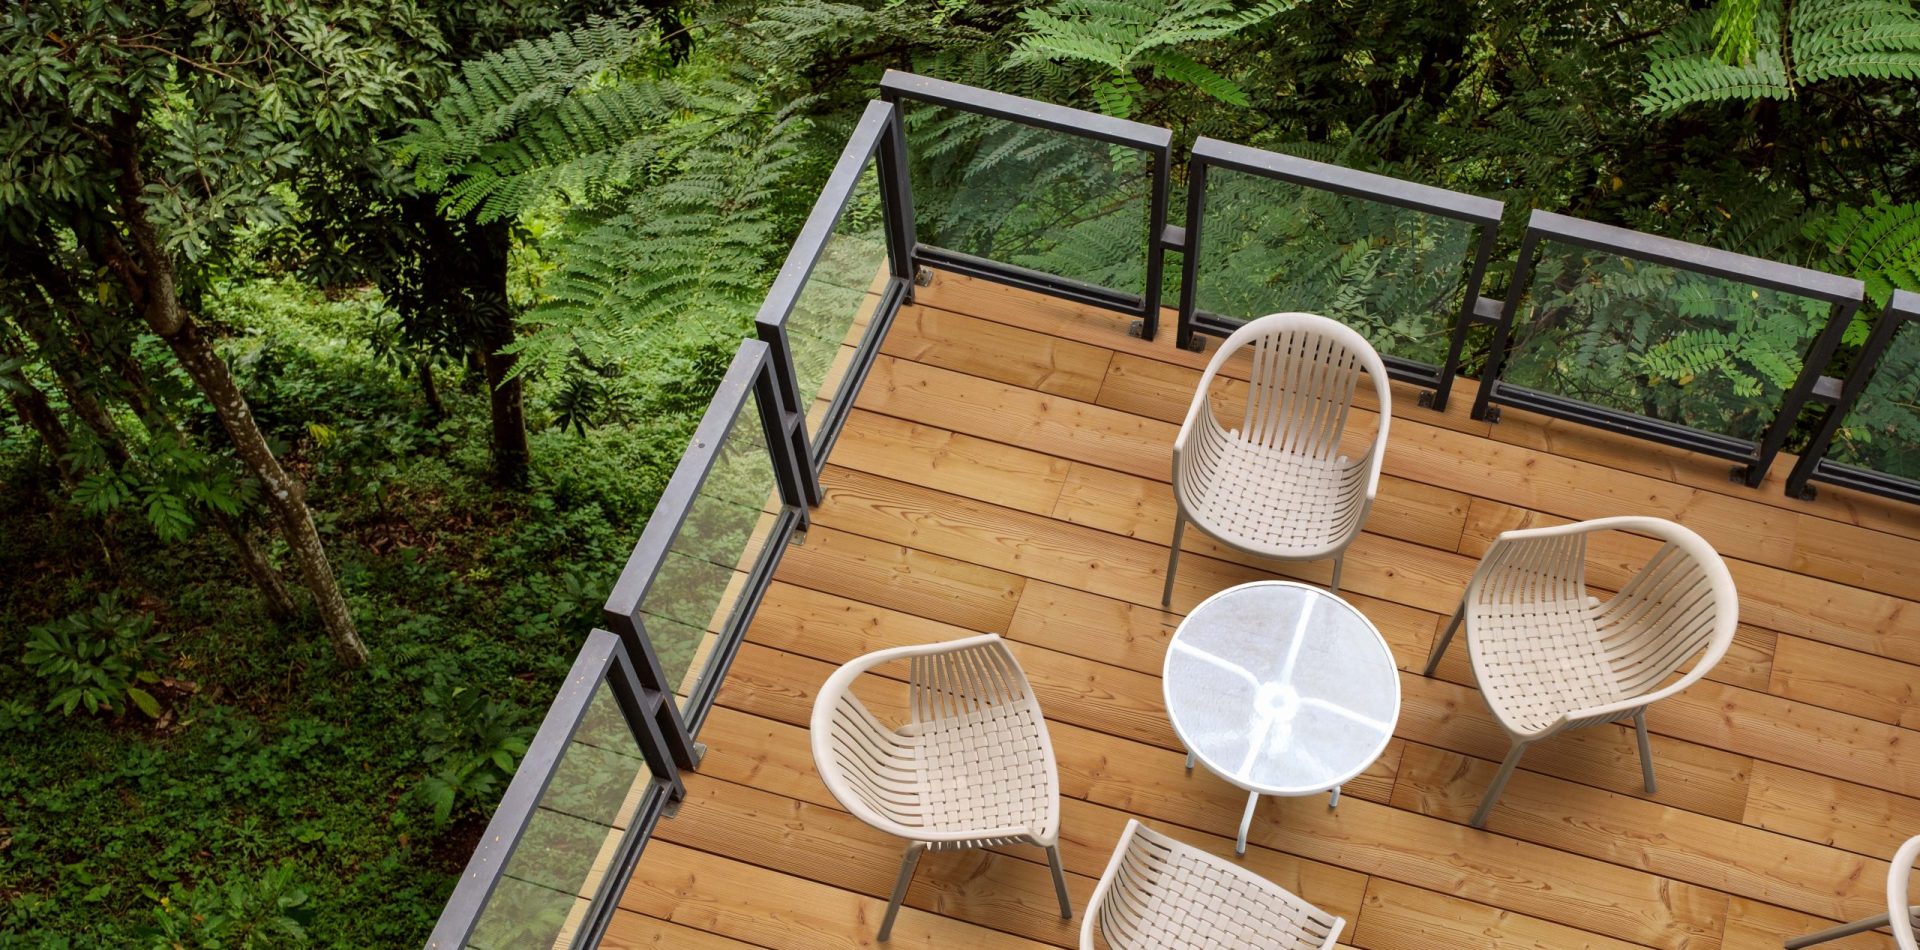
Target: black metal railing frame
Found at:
x=1841, y=396
x=1842, y=294
x=877, y=136
x=623, y=655
x=1482, y=213
x=604, y=659
x=763, y=373
x=1156, y=142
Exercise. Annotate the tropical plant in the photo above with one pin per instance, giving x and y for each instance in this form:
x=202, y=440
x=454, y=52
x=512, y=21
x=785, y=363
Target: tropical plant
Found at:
x=1123, y=38
x=100, y=659
x=1738, y=51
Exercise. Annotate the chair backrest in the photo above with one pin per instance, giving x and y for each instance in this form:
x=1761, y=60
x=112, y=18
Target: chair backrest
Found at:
x=865, y=764
x=1300, y=390
x=1905, y=916
x=1124, y=901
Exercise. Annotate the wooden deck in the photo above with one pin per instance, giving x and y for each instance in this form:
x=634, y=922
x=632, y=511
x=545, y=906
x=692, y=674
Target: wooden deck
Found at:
x=1006, y=470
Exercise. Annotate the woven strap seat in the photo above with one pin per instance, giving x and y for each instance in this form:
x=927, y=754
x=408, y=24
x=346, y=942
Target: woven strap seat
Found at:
x=973, y=768
x=1277, y=484
x=1167, y=895
x=1550, y=657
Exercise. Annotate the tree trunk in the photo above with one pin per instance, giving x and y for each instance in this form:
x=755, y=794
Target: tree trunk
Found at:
x=430, y=390
x=37, y=413
x=151, y=282
x=60, y=354
x=512, y=457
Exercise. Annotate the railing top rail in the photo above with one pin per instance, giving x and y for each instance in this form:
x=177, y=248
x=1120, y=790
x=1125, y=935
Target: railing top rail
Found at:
x=602, y=653
x=812, y=240
x=1759, y=271
x=1347, y=181
x=1905, y=303
x=1027, y=111
x=643, y=565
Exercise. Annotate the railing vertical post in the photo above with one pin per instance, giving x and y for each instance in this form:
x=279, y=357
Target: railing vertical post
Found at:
x=1497, y=352
x=1469, y=315
x=786, y=423
x=785, y=426
x=896, y=196
x=1190, y=257
x=1863, y=370
x=1796, y=398
x=665, y=713
x=1156, y=251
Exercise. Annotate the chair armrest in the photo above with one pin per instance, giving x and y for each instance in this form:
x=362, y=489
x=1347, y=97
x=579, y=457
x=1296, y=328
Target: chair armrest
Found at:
x=1898, y=895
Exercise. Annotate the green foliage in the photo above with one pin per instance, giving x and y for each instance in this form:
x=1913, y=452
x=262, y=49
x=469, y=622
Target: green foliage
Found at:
x=471, y=744
x=242, y=914
x=1737, y=51
x=1701, y=351
x=554, y=115
x=1124, y=37
x=100, y=659
x=1879, y=243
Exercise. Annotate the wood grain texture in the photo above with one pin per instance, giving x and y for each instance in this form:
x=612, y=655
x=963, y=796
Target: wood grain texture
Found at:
x=1006, y=470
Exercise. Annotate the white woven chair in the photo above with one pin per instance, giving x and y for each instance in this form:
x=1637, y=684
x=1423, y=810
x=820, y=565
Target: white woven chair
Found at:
x=1549, y=657
x=1902, y=916
x=1277, y=486
x=1163, y=894
x=973, y=769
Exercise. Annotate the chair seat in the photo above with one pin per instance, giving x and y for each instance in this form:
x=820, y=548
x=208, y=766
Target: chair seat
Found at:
x=984, y=769
x=1270, y=501
x=1540, y=659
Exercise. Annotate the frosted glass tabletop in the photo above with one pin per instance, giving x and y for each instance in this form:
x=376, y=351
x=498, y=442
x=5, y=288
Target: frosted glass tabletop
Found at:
x=1281, y=688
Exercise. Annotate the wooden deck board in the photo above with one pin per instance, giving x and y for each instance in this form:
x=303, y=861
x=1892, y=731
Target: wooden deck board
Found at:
x=1006, y=470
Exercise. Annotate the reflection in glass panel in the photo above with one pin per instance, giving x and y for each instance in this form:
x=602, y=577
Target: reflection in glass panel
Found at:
x=556, y=866
x=699, y=584
x=1882, y=432
x=1393, y=274
x=1656, y=341
x=1057, y=203
x=841, y=292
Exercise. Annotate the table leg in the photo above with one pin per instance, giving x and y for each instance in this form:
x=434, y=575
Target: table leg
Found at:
x=1189, y=761
x=1334, y=802
x=1246, y=821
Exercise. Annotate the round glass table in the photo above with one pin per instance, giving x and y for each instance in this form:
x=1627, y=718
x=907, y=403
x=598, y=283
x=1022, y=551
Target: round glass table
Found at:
x=1282, y=689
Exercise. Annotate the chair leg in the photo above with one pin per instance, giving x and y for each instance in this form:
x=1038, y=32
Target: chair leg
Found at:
x=1835, y=933
x=1499, y=784
x=1339, y=561
x=1646, y=750
x=1059, y=881
x=907, y=864
x=1440, y=645
x=1173, y=557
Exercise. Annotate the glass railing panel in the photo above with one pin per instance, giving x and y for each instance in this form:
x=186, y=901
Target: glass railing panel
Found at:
x=703, y=574
x=1045, y=200
x=1653, y=340
x=1394, y=274
x=549, y=881
x=833, y=310
x=1882, y=432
